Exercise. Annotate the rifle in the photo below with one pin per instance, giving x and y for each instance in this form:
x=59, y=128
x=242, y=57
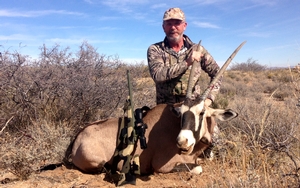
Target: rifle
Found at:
x=135, y=118
x=130, y=129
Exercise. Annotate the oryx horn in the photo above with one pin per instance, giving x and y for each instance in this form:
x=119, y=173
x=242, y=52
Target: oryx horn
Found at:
x=221, y=71
x=192, y=73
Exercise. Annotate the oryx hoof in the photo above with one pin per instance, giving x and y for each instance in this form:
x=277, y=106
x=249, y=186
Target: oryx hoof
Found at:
x=197, y=170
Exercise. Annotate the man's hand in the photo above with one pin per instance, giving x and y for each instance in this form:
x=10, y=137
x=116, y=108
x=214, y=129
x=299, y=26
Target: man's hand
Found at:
x=207, y=102
x=195, y=56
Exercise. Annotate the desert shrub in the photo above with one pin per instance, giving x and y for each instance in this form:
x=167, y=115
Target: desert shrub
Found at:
x=249, y=65
x=66, y=90
x=62, y=88
x=285, y=78
x=247, y=79
x=281, y=95
x=228, y=89
x=283, y=75
x=269, y=87
x=262, y=139
x=238, y=76
x=28, y=150
x=241, y=89
x=220, y=102
x=230, y=74
x=270, y=74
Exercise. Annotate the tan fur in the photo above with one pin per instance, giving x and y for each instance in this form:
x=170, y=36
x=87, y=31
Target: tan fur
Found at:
x=95, y=145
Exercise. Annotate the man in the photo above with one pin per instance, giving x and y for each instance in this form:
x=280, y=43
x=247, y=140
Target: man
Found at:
x=170, y=60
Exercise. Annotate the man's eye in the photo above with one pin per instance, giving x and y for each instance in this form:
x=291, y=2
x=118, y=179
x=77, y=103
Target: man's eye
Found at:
x=174, y=23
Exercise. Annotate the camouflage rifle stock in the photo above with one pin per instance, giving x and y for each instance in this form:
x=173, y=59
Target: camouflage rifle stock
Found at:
x=126, y=142
x=131, y=129
x=130, y=112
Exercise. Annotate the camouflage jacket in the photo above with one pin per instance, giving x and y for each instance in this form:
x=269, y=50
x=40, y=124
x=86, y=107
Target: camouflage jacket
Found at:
x=170, y=72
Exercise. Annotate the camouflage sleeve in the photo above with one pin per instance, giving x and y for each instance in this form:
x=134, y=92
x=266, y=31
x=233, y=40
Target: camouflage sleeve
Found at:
x=161, y=70
x=209, y=65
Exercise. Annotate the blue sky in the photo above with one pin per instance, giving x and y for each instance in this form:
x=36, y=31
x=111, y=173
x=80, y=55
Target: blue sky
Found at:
x=126, y=28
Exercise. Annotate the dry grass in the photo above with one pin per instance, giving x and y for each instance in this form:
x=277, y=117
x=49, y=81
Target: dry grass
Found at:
x=43, y=105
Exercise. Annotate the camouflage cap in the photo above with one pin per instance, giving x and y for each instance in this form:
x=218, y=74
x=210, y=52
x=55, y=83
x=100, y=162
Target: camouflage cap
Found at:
x=174, y=13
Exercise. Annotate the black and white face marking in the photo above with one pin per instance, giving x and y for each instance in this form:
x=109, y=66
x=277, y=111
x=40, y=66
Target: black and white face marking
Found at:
x=191, y=129
x=191, y=115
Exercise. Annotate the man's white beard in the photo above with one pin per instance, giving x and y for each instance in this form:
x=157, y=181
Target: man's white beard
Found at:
x=174, y=39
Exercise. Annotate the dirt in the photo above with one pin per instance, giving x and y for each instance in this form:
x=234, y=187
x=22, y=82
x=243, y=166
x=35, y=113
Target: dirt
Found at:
x=62, y=177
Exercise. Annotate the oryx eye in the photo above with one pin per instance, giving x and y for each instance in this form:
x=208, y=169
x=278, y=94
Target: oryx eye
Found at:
x=202, y=113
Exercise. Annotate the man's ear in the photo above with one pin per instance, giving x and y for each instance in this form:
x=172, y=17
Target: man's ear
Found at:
x=185, y=24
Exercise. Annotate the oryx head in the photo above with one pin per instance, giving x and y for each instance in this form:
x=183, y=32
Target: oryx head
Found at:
x=195, y=115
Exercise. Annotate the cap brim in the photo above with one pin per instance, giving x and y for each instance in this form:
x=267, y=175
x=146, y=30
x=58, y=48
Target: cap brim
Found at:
x=165, y=19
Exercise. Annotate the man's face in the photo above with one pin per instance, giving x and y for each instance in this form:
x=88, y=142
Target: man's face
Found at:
x=174, y=29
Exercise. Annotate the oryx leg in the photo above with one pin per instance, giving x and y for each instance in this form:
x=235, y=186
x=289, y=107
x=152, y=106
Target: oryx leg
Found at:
x=213, y=129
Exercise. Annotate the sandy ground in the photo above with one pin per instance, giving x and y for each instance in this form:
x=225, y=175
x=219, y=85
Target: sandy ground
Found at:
x=62, y=177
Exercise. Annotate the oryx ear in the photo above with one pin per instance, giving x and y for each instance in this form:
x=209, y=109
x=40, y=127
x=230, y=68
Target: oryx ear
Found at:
x=176, y=109
x=179, y=108
x=224, y=115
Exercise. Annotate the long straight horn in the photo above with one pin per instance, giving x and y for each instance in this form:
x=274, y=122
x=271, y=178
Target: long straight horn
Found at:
x=190, y=82
x=221, y=71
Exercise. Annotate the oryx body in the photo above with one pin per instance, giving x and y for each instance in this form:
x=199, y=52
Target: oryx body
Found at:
x=95, y=145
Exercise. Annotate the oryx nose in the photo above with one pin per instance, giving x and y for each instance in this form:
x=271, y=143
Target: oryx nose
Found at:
x=181, y=141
